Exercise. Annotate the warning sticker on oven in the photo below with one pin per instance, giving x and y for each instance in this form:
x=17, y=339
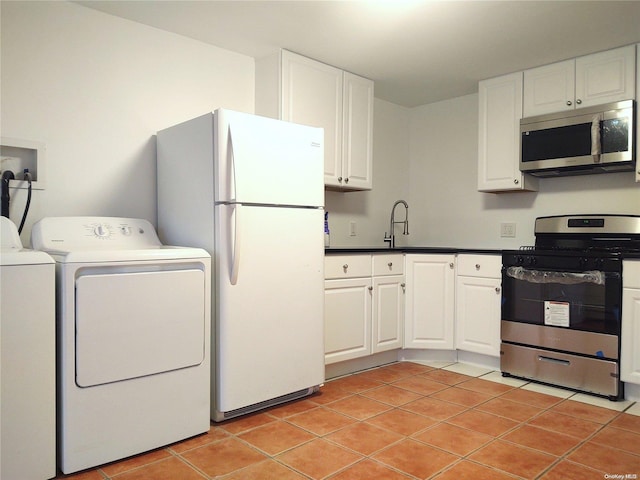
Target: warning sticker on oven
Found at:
x=556, y=313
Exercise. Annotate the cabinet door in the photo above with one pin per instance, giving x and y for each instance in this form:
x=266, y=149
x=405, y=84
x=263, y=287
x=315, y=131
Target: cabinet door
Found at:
x=606, y=77
x=550, y=88
x=630, y=336
x=500, y=111
x=429, y=302
x=312, y=95
x=388, y=313
x=357, y=137
x=478, y=315
x=347, y=319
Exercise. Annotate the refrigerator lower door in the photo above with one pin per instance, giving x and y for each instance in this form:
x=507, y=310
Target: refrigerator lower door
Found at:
x=269, y=303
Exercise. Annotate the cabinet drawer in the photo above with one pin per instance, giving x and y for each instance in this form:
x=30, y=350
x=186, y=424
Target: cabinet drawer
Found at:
x=488, y=266
x=347, y=266
x=388, y=264
x=631, y=274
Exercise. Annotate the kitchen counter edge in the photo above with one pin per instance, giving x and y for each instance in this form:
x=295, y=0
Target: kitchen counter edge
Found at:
x=435, y=250
x=354, y=250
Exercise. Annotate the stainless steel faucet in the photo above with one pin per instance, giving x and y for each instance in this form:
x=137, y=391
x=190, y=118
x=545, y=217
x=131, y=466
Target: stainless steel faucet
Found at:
x=391, y=237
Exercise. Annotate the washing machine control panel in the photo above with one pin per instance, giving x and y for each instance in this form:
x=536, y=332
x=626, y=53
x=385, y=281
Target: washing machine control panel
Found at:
x=73, y=233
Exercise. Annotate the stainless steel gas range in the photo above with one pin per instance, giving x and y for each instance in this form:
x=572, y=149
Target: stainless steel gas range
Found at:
x=562, y=302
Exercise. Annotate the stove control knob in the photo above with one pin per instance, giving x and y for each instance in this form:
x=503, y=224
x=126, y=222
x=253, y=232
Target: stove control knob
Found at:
x=519, y=259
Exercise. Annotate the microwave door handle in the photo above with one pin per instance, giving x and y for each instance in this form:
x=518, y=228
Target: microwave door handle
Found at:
x=596, y=142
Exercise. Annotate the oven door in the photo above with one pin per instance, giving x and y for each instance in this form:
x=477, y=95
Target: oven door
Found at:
x=575, y=310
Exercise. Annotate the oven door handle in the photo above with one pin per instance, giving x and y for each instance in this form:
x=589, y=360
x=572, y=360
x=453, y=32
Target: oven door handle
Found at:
x=555, y=361
x=551, y=276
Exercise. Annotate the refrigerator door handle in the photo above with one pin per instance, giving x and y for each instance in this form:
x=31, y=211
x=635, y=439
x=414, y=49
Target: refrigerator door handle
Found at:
x=231, y=167
x=235, y=263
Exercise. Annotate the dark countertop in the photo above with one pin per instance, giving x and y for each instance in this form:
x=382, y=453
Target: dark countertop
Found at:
x=485, y=251
x=435, y=250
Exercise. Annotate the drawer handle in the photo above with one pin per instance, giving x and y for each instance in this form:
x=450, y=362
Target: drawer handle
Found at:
x=556, y=361
x=451, y=265
x=370, y=288
x=345, y=266
x=477, y=266
x=390, y=264
x=497, y=289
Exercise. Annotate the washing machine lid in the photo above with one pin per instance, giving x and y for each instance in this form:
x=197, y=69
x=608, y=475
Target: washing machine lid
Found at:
x=11, y=251
x=104, y=239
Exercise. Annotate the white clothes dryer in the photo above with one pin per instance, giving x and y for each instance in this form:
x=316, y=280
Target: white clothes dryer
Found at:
x=133, y=338
x=27, y=360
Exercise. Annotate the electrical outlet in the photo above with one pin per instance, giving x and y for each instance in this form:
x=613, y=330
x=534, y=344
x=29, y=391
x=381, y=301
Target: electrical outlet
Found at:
x=508, y=229
x=352, y=229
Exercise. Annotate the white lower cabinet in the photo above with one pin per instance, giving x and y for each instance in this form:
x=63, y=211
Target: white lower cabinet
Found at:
x=364, y=305
x=630, y=335
x=429, y=315
x=347, y=319
x=380, y=302
x=478, y=298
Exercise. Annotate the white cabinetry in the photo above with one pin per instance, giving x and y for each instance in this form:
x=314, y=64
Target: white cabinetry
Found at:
x=478, y=299
x=364, y=304
x=298, y=89
x=582, y=82
x=357, y=138
x=429, y=314
x=347, y=307
x=630, y=335
x=388, y=302
x=500, y=111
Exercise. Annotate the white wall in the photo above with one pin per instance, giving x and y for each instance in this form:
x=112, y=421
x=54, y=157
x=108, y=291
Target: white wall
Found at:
x=446, y=209
x=371, y=210
x=95, y=89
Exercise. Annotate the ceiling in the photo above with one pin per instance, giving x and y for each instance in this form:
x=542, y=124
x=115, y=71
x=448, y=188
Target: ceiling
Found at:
x=417, y=52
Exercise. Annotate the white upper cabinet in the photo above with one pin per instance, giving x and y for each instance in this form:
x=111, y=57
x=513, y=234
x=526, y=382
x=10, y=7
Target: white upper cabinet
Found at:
x=582, y=82
x=500, y=111
x=301, y=90
x=357, y=136
x=550, y=88
x=312, y=95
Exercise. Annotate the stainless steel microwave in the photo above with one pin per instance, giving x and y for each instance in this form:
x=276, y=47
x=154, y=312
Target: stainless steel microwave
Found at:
x=587, y=140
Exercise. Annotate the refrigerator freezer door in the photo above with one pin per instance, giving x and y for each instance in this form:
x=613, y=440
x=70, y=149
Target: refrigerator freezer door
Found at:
x=269, y=338
x=265, y=161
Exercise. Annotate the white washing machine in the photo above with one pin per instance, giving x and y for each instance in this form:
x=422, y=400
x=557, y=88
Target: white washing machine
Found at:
x=27, y=360
x=133, y=338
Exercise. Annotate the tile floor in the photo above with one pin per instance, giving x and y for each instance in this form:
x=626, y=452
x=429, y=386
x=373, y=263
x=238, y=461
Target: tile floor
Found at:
x=409, y=421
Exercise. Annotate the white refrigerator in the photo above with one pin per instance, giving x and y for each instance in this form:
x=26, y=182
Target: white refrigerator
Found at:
x=250, y=191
